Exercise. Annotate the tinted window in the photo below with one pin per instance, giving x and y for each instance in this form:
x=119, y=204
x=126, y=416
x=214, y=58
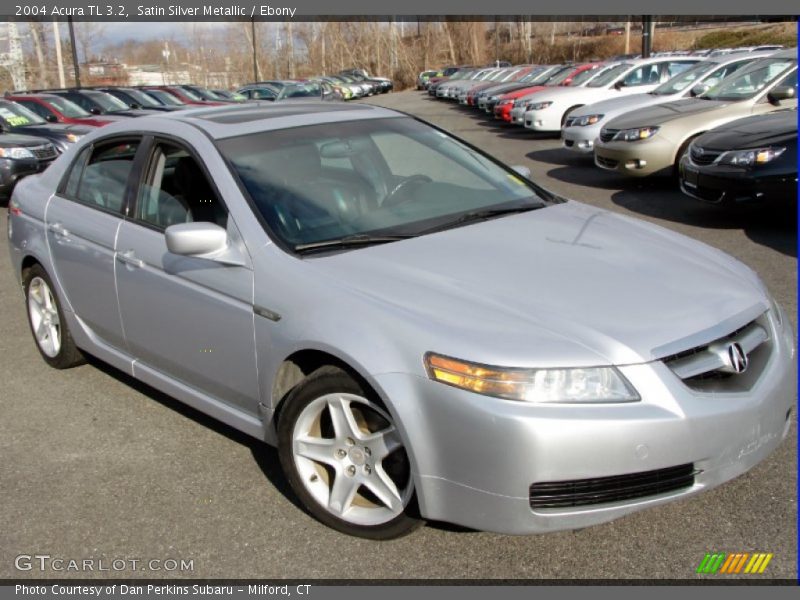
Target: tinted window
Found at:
x=40, y=110
x=105, y=177
x=379, y=175
x=176, y=190
x=644, y=75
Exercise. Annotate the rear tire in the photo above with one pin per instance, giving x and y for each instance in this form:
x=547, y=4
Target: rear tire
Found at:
x=47, y=322
x=344, y=458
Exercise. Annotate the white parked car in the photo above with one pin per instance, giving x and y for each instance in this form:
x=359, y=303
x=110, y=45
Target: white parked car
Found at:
x=550, y=110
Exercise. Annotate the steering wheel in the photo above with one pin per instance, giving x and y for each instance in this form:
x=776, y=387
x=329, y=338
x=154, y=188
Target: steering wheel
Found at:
x=393, y=199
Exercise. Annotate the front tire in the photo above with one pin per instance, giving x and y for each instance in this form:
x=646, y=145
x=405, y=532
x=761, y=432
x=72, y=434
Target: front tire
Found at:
x=344, y=457
x=47, y=322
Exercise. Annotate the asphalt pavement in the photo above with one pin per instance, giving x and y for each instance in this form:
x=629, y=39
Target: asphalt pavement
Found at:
x=98, y=466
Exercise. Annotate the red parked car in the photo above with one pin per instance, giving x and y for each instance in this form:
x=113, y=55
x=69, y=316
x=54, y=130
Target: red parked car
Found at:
x=184, y=95
x=56, y=109
x=566, y=76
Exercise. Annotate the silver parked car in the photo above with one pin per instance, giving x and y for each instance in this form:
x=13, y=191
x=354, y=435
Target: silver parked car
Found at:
x=422, y=331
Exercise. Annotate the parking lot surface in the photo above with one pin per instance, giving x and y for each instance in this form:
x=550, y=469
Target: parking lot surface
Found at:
x=97, y=465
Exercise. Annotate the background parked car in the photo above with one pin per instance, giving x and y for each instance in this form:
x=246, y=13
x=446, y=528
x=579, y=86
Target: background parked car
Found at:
x=652, y=140
x=747, y=160
x=99, y=103
x=138, y=99
x=15, y=118
x=56, y=109
x=22, y=155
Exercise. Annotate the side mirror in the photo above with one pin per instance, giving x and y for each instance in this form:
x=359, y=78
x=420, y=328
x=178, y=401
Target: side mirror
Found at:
x=136, y=106
x=699, y=89
x=782, y=92
x=522, y=170
x=51, y=119
x=95, y=111
x=196, y=239
x=619, y=85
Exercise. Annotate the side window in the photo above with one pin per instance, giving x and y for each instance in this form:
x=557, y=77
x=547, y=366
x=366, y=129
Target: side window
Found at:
x=105, y=177
x=81, y=101
x=644, y=75
x=176, y=190
x=39, y=109
x=791, y=81
x=673, y=68
x=76, y=171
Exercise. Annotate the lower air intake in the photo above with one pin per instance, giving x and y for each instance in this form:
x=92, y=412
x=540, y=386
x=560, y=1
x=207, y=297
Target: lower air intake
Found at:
x=602, y=490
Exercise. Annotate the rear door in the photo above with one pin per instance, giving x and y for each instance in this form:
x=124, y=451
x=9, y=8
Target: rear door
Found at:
x=83, y=220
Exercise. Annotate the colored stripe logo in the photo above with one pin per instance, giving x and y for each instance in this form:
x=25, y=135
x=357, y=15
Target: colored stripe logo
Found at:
x=734, y=563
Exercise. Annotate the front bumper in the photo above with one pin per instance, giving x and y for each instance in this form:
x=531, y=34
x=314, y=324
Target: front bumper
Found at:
x=474, y=457
x=518, y=115
x=721, y=184
x=654, y=156
x=503, y=112
x=580, y=139
x=545, y=120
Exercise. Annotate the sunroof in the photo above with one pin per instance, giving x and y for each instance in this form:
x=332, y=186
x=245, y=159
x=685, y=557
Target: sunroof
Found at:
x=287, y=109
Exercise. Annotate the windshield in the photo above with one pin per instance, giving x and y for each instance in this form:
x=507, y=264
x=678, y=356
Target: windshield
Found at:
x=190, y=94
x=533, y=75
x=107, y=102
x=68, y=108
x=609, y=76
x=202, y=92
x=301, y=90
x=18, y=116
x=683, y=80
x=750, y=81
x=165, y=98
x=391, y=176
x=561, y=77
x=139, y=97
x=584, y=76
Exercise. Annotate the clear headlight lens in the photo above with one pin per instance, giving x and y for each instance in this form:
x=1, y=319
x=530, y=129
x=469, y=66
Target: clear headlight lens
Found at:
x=539, y=105
x=586, y=120
x=16, y=153
x=634, y=135
x=749, y=158
x=566, y=386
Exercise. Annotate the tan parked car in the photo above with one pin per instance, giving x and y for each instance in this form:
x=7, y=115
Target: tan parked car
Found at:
x=652, y=140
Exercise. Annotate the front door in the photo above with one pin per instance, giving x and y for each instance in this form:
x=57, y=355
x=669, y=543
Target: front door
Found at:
x=188, y=318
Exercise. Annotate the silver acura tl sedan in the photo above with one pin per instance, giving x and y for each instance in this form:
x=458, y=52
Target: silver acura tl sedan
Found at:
x=422, y=331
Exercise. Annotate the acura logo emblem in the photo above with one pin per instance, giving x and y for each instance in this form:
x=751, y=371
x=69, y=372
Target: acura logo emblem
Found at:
x=737, y=358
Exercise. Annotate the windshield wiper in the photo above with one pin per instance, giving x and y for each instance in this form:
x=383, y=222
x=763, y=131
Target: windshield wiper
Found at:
x=356, y=239
x=481, y=215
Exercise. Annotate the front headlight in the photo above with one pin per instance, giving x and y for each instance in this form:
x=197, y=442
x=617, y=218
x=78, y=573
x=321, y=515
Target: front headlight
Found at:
x=749, y=158
x=586, y=120
x=634, y=135
x=539, y=105
x=568, y=386
x=16, y=153
x=73, y=138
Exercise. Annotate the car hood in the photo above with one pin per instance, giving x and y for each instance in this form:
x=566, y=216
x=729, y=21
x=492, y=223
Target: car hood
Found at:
x=617, y=106
x=567, y=285
x=55, y=129
x=669, y=111
x=777, y=128
x=13, y=140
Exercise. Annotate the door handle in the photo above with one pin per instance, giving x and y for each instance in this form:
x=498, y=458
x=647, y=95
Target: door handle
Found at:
x=58, y=229
x=129, y=258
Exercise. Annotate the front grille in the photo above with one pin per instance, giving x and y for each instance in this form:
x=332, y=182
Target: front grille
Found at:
x=569, y=143
x=606, y=135
x=703, y=156
x=602, y=490
x=710, y=368
x=44, y=152
x=607, y=163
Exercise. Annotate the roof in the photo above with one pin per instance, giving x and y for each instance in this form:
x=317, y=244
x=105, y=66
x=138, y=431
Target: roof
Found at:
x=232, y=120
